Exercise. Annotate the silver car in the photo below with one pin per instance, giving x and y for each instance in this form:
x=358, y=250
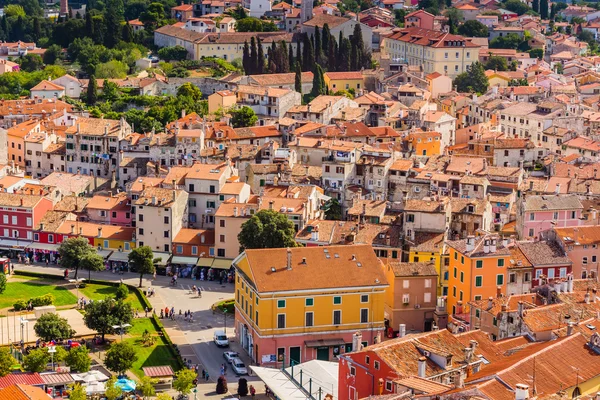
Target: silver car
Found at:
x=230, y=355
x=238, y=367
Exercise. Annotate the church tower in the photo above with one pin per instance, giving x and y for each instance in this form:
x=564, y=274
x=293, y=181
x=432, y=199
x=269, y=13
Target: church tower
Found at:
x=306, y=10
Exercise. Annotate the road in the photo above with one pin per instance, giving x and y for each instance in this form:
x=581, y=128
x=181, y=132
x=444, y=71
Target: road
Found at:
x=195, y=339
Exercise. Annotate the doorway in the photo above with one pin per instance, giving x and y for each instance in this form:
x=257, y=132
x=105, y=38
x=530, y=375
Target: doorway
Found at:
x=323, y=353
x=294, y=355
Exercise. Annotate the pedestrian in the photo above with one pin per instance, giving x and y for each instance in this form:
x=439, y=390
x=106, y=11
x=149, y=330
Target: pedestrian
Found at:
x=252, y=391
x=154, y=276
x=206, y=377
x=222, y=369
x=146, y=312
x=47, y=261
x=203, y=373
x=12, y=268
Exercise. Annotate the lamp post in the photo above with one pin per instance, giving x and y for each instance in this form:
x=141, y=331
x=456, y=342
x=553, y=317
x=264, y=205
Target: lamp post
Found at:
x=121, y=327
x=77, y=282
x=225, y=321
x=52, y=350
x=23, y=323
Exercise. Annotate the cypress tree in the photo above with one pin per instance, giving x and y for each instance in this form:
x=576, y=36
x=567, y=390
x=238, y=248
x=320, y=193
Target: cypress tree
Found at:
x=544, y=9
x=552, y=11
x=285, y=61
x=308, y=54
x=357, y=41
x=343, y=61
x=89, y=25
x=291, y=60
x=299, y=53
x=127, y=36
x=113, y=18
x=331, y=54
x=37, y=28
x=260, y=61
x=246, y=61
x=253, y=57
x=325, y=38
x=318, y=82
x=318, y=52
x=535, y=5
x=5, y=27
x=92, y=91
x=298, y=79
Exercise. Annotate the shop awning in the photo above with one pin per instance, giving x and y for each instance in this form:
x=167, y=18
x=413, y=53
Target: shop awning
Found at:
x=119, y=256
x=324, y=343
x=222, y=263
x=205, y=262
x=164, y=258
x=43, y=246
x=104, y=253
x=184, y=260
x=9, y=244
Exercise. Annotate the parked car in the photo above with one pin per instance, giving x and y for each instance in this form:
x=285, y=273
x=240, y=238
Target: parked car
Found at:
x=230, y=355
x=239, y=367
x=220, y=339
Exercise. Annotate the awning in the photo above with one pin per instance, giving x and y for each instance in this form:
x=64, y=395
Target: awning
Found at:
x=205, y=262
x=221, y=263
x=119, y=256
x=184, y=260
x=104, y=253
x=323, y=197
x=324, y=343
x=8, y=244
x=43, y=246
x=164, y=258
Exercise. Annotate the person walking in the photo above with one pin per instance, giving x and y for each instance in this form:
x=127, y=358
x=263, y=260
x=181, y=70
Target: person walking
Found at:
x=252, y=391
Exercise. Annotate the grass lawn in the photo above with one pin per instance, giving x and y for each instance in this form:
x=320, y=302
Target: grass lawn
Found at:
x=25, y=290
x=96, y=291
x=149, y=356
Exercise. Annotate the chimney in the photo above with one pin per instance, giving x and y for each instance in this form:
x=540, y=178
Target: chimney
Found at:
x=594, y=292
x=586, y=298
x=520, y=309
x=473, y=344
x=72, y=229
x=499, y=291
x=570, y=326
x=402, y=331
x=154, y=200
x=80, y=230
x=490, y=303
x=174, y=195
x=570, y=283
x=470, y=243
x=235, y=211
x=521, y=392
x=99, y=232
x=357, y=341
x=289, y=259
x=493, y=246
x=486, y=246
x=422, y=365
x=271, y=204
x=41, y=226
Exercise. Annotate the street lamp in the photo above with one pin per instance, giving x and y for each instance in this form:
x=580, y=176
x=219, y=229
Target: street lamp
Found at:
x=23, y=323
x=122, y=327
x=77, y=282
x=52, y=350
x=225, y=321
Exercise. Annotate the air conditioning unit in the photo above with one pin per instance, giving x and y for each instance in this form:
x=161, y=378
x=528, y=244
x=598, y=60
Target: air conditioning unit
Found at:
x=417, y=306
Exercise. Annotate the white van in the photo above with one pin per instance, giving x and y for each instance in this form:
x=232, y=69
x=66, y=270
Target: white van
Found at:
x=220, y=339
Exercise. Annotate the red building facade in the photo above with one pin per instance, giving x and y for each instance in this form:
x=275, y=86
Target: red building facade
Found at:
x=19, y=214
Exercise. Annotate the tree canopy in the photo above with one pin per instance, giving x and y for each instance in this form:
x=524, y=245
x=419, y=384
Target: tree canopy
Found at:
x=474, y=80
x=242, y=117
x=473, y=28
x=120, y=357
x=78, y=359
x=141, y=258
x=267, y=229
x=496, y=63
x=7, y=361
x=36, y=360
x=101, y=316
x=53, y=327
x=184, y=380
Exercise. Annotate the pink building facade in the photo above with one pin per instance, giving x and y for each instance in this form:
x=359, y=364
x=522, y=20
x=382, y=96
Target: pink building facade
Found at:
x=538, y=215
x=581, y=244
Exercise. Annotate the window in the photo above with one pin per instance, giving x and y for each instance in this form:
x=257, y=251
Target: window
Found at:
x=563, y=272
x=166, y=234
x=427, y=283
x=352, y=371
x=527, y=277
x=222, y=223
x=499, y=279
x=410, y=218
x=280, y=321
x=140, y=217
x=337, y=300
x=479, y=264
x=212, y=189
x=538, y=273
x=427, y=298
x=531, y=216
x=166, y=220
x=512, y=278
x=573, y=214
x=308, y=318
x=389, y=386
x=179, y=249
x=220, y=252
x=5, y=219
x=462, y=259
x=478, y=281
x=455, y=272
x=462, y=277
x=584, y=260
x=50, y=238
x=140, y=231
x=222, y=238
x=337, y=317
x=280, y=303
x=364, y=298
x=309, y=302
x=555, y=216
x=14, y=219
x=364, y=315
x=195, y=250
x=501, y=262
x=531, y=232
x=29, y=224
x=376, y=365
x=550, y=273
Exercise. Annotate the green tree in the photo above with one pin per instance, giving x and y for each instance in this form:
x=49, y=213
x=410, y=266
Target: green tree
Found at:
x=78, y=359
x=77, y=393
x=253, y=57
x=31, y=62
x=146, y=386
x=246, y=60
x=191, y=91
x=249, y=24
x=112, y=391
x=36, y=360
x=142, y=258
x=510, y=41
x=552, y=10
x=333, y=210
x=110, y=91
x=101, y=316
x=496, y=63
x=52, y=327
x=91, y=261
x=516, y=6
x=127, y=33
x=14, y=10
x=113, y=17
x=308, y=53
x=112, y=69
x=536, y=53
x=60, y=355
x=184, y=380
x=122, y=292
x=518, y=82
x=297, y=80
x=319, y=87
x=473, y=28
x=260, y=57
x=474, y=80
x=120, y=357
x=586, y=36
x=92, y=98
x=174, y=53
x=535, y=6
x=89, y=25
x=153, y=17
x=242, y=117
x=6, y=361
x=52, y=54
x=267, y=229
x=2, y=283
x=164, y=396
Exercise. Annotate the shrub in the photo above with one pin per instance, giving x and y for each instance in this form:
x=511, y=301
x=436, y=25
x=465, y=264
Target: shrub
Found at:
x=20, y=305
x=122, y=292
x=44, y=300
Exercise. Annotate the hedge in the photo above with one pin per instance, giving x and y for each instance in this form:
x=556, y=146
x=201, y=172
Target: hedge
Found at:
x=39, y=301
x=162, y=331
